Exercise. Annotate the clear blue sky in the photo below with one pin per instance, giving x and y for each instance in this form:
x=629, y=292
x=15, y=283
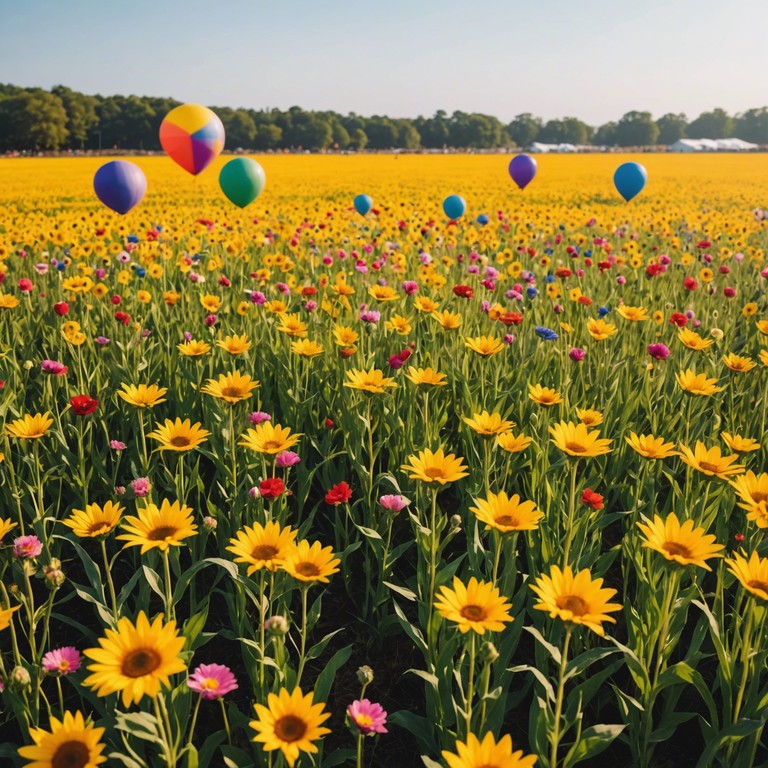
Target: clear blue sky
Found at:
x=592, y=59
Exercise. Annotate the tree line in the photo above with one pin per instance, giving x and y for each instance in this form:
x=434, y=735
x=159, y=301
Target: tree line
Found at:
x=33, y=119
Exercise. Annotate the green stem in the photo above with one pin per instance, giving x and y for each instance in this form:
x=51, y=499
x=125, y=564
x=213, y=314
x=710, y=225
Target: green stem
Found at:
x=746, y=641
x=304, y=591
x=470, y=684
x=555, y=738
x=194, y=721
x=497, y=555
x=233, y=451
x=432, y=566
x=110, y=583
x=170, y=610
x=359, y=762
x=226, y=721
x=263, y=605
x=571, y=513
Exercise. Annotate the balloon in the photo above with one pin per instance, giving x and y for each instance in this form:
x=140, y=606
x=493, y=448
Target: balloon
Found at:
x=242, y=180
x=483, y=219
x=120, y=185
x=192, y=136
x=454, y=206
x=363, y=204
x=522, y=169
x=630, y=179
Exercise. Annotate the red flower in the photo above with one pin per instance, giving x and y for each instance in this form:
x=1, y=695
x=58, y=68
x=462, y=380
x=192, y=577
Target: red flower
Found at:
x=224, y=281
x=115, y=299
x=25, y=285
x=83, y=405
x=340, y=493
x=329, y=424
x=653, y=269
x=511, y=318
x=703, y=244
x=463, y=291
x=123, y=318
x=563, y=272
x=61, y=308
x=592, y=499
x=678, y=319
x=585, y=300
x=309, y=290
x=271, y=488
x=739, y=537
x=690, y=284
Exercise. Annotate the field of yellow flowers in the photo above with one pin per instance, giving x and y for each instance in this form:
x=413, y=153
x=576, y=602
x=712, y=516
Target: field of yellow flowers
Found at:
x=293, y=486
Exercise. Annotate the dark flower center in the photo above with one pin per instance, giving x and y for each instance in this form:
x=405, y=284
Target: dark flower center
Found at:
x=709, y=467
x=263, y=552
x=98, y=529
x=573, y=603
x=162, y=533
x=507, y=520
x=307, y=569
x=140, y=662
x=290, y=728
x=575, y=447
x=71, y=754
x=675, y=548
x=179, y=441
x=473, y=612
x=434, y=472
x=231, y=392
x=757, y=584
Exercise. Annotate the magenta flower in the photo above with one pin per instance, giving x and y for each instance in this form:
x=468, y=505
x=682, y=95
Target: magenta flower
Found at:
x=393, y=502
x=659, y=351
x=576, y=354
x=116, y=445
x=53, y=367
x=287, y=459
x=370, y=316
x=27, y=547
x=257, y=417
x=368, y=718
x=212, y=681
x=62, y=661
x=141, y=486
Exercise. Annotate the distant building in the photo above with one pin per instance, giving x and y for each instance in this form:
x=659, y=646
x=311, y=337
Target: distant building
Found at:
x=711, y=145
x=537, y=146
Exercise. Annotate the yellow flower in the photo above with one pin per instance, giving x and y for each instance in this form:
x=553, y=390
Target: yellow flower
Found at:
x=269, y=438
x=242, y=308
x=749, y=309
x=752, y=573
x=706, y=275
x=484, y=345
x=143, y=297
x=600, y=330
x=478, y=606
x=194, y=348
x=293, y=325
x=487, y=754
x=262, y=546
x=424, y=304
x=651, y=447
x=513, y=443
x=504, y=513
x=159, y=528
x=399, y=324
x=372, y=381
x=7, y=301
x=70, y=742
x=692, y=340
x=6, y=614
x=544, y=395
x=136, y=660
x=77, y=284
x=762, y=326
x=306, y=348
x=576, y=599
x=383, y=293
x=435, y=467
x=425, y=376
x=276, y=307
x=449, y=321
x=710, y=461
x=635, y=314
x=488, y=424
x=210, y=302
x=738, y=363
x=235, y=345
x=310, y=563
x=6, y=525
x=683, y=544
x=697, y=383
x=179, y=435
x=291, y=722
x=95, y=520
x=344, y=336
x=576, y=440
x=658, y=317
x=763, y=355
x=30, y=427
x=740, y=444
x=589, y=417
x=752, y=489
x=230, y=387
x=143, y=396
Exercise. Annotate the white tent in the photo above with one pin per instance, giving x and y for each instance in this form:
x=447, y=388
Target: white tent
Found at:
x=711, y=145
x=537, y=146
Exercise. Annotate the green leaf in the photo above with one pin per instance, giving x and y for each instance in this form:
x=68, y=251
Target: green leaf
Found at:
x=193, y=626
x=420, y=727
x=430, y=763
x=128, y=762
x=236, y=758
x=404, y=591
x=193, y=759
x=554, y=652
x=325, y=678
x=540, y=676
x=593, y=741
x=584, y=660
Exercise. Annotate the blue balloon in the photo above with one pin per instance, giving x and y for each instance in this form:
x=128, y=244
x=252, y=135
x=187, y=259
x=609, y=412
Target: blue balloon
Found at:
x=483, y=219
x=363, y=204
x=120, y=185
x=630, y=179
x=454, y=206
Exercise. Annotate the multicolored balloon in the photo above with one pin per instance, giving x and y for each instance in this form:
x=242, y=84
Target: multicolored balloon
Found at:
x=454, y=206
x=363, y=204
x=242, y=180
x=630, y=179
x=192, y=136
x=120, y=185
x=522, y=169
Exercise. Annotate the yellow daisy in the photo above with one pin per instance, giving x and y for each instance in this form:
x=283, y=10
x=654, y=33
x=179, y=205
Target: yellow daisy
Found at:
x=651, y=447
x=477, y=605
x=683, y=544
x=435, y=467
x=488, y=424
x=159, y=528
x=487, y=753
x=94, y=520
x=576, y=440
x=372, y=381
x=262, y=546
x=504, y=513
x=710, y=461
x=230, y=387
x=269, y=438
x=179, y=435
x=69, y=744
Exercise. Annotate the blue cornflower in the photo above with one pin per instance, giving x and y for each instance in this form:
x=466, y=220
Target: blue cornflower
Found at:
x=550, y=278
x=602, y=311
x=132, y=238
x=545, y=333
x=532, y=292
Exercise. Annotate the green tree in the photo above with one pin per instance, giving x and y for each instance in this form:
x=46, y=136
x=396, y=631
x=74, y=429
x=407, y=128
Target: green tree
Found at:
x=81, y=114
x=407, y=135
x=358, y=139
x=381, y=132
x=434, y=131
x=605, y=135
x=752, y=125
x=716, y=124
x=552, y=132
x=575, y=131
x=525, y=129
x=636, y=129
x=671, y=127
x=33, y=119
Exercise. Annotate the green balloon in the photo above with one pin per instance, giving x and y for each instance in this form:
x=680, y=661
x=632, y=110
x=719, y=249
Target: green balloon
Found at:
x=242, y=180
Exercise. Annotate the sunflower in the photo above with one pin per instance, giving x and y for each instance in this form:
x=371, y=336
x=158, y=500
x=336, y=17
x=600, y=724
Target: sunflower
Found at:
x=544, y=395
x=683, y=544
x=425, y=304
x=383, y=293
x=710, y=461
x=143, y=396
x=262, y=546
x=752, y=489
x=30, y=427
x=487, y=753
x=136, y=659
x=95, y=520
x=488, y=424
x=399, y=324
x=697, y=383
x=752, y=573
x=449, y=321
x=234, y=345
x=576, y=440
x=513, y=443
x=651, y=447
x=372, y=381
x=159, y=528
x=310, y=562
x=343, y=336
x=179, y=435
x=589, y=417
x=740, y=444
x=230, y=387
x=69, y=744
x=600, y=330
x=269, y=438
x=692, y=340
x=435, y=467
x=505, y=513
x=484, y=345
x=577, y=599
x=290, y=722
x=739, y=364
x=306, y=348
x=477, y=606
x=634, y=314
x=6, y=525
x=292, y=325
x=425, y=376
x=193, y=348
x=210, y=303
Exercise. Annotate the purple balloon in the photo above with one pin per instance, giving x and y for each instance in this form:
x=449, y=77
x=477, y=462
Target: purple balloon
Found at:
x=120, y=185
x=522, y=169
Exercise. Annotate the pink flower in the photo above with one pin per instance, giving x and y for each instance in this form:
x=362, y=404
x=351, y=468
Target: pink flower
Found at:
x=659, y=351
x=141, y=486
x=370, y=316
x=394, y=503
x=368, y=718
x=257, y=417
x=576, y=354
x=63, y=661
x=116, y=445
x=287, y=459
x=212, y=681
x=53, y=367
x=27, y=547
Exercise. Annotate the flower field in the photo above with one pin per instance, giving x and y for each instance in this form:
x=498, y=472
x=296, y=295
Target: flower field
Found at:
x=293, y=486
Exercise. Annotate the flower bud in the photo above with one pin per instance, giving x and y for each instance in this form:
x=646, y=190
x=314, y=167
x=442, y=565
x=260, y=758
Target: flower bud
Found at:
x=20, y=677
x=209, y=523
x=455, y=522
x=365, y=675
x=488, y=652
x=276, y=625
